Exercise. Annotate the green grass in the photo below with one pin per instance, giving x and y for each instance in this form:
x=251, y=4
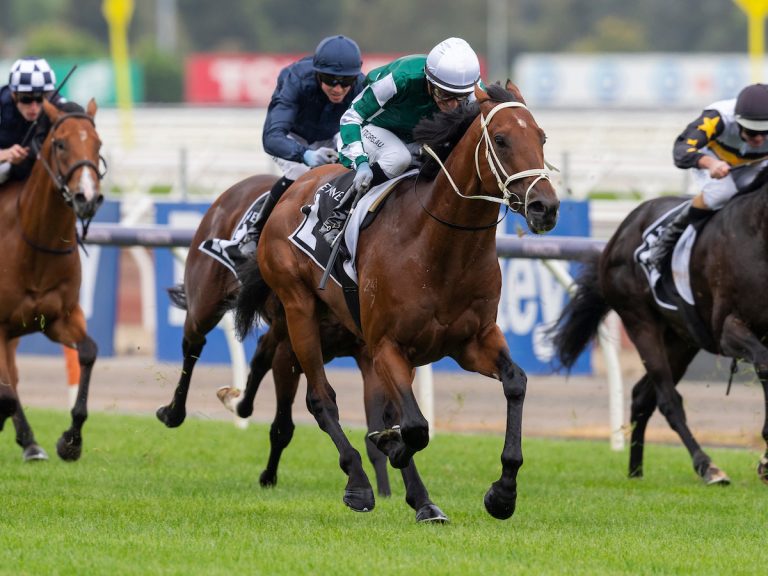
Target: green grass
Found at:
x=147, y=500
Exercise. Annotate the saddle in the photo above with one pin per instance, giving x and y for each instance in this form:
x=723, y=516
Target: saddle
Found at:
x=308, y=239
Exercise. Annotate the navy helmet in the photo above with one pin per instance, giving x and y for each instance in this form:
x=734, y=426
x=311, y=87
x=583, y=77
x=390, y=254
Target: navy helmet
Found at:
x=337, y=55
x=752, y=107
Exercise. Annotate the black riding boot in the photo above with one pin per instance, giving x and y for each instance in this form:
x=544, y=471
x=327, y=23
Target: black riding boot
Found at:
x=250, y=239
x=662, y=250
x=333, y=224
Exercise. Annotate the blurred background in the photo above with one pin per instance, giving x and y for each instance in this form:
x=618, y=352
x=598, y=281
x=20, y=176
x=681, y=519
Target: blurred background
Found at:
x=182, y=87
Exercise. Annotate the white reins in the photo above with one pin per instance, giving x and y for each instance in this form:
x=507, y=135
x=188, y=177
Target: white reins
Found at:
x=496, y=166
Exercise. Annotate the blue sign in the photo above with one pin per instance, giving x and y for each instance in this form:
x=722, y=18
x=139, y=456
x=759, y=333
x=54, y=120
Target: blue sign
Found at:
x=531, y=297
x=98, y=294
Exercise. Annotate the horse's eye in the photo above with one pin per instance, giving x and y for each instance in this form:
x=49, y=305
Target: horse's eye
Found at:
x=500, y=140
x=59, y=145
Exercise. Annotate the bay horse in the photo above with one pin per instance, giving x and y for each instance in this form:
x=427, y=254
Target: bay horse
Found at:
x=728, y=272
x=40, y=287
x=208, y=292
x=429, y=278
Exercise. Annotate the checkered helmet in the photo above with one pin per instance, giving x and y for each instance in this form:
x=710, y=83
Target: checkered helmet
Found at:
x=31, y=74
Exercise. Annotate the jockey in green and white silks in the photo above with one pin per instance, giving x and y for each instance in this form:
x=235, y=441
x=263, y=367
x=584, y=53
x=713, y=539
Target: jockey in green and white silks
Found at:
x=377, y=129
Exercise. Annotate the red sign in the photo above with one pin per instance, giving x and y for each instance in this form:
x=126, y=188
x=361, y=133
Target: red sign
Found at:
x=245, y=79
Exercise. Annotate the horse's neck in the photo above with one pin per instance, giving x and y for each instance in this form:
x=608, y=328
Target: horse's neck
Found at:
x=42, y=213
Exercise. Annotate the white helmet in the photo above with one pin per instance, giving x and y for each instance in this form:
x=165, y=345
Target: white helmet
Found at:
x=453, y=66
x=31, y=74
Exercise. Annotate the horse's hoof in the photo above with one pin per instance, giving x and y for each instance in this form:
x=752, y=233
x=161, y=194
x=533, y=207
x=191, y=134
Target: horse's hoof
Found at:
x=229, y=396
x=267, y=480
x=714, y=476
x=34, y=453
x=69, y=448
x=359, y=499
x=429, y=513
x=762, y=469
x=500, y=503
x=636, y=473
x=381, y=438
x=171, y=419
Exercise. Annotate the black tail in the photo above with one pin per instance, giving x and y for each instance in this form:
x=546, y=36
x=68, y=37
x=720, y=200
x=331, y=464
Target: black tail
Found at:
x=252, y=298
x=581, y=317
x=178, y=296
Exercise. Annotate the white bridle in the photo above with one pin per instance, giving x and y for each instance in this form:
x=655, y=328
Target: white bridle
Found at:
x=497, y=169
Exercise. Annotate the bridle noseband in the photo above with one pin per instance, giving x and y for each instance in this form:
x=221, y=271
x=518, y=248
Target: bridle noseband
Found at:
x=497, y=169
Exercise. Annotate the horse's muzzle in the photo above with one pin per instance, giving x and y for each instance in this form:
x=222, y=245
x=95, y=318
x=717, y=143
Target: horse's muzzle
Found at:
x=542, y=216
x=84, y=208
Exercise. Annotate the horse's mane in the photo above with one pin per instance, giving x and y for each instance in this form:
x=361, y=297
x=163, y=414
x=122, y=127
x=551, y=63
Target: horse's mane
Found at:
x=444, y=130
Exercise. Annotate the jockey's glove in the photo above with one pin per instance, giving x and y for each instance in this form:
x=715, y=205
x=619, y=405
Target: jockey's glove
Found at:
x=324, y=155
x=363, y=177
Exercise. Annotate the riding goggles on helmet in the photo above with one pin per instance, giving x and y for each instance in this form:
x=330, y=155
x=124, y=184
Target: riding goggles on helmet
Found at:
x=445, y=96
x=331, y=80
x=22, y=98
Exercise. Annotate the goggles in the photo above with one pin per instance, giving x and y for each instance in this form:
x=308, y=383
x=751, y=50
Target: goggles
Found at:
x=331, y=80
x=752, y=133
x=29, y=98
x=441, y=95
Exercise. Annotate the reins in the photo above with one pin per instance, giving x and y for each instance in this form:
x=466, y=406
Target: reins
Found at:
x=60, y=181
x=496, y=169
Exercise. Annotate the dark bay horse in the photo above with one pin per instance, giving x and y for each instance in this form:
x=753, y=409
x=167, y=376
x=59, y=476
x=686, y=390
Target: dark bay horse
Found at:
x=728, y=272
x=429, y=279
x=208, y=292
x=40, y=286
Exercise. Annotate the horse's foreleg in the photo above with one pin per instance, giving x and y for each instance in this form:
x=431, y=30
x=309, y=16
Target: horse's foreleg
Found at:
x=281, y=432
x=9, y=400
x=739, y=341
x=489, y=355
x=375, y=403
x=173, y=414
x=261, y=363
x=70, y=444
x=643, y=406
x=321, y=399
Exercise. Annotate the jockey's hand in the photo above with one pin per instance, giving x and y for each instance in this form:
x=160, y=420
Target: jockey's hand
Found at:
x=314, y=158
x=14, y=154
x=719, y=169
x=363, y=177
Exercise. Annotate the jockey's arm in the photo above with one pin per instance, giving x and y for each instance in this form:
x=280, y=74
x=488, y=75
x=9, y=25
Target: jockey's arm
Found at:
x=14, y=154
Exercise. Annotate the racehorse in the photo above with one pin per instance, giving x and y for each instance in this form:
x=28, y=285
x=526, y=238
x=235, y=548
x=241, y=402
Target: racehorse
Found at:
x=728, y=272
x=208, y=293
x=428, y=274
x=40, y=288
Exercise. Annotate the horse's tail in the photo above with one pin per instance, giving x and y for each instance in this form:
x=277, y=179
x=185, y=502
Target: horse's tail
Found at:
x=251, y=299
x=178, y=296
x=581, y=317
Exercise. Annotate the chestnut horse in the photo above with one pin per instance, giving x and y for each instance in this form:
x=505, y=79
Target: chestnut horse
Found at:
x=728, y=272
x=208, y=292
x=40, y=290
x=428, y=274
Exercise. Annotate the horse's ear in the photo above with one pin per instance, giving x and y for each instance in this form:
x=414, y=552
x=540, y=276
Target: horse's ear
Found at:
x=479, y=92
x=91, y=110
x=514, y=90
x=51, y=111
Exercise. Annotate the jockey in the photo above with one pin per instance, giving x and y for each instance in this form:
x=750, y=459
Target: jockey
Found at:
x=30, y=80
x=303, y=120
x=377, y=130
x=727, y=146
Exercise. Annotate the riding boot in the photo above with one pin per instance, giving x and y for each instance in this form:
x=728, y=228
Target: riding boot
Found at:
x=240, y=252
x=662, y=250
x=333, y=224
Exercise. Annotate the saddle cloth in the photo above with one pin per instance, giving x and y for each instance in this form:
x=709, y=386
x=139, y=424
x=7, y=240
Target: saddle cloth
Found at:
x=671, y=288
x=309, y=241
x=216, y=247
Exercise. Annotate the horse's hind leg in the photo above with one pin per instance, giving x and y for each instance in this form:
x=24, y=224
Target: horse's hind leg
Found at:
x=739, y=341
x=300, y=308
x=31, y=451
x=70, y=444
x=281, y=432
x=643, y=406
x=262, y=362
x=173, y=414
